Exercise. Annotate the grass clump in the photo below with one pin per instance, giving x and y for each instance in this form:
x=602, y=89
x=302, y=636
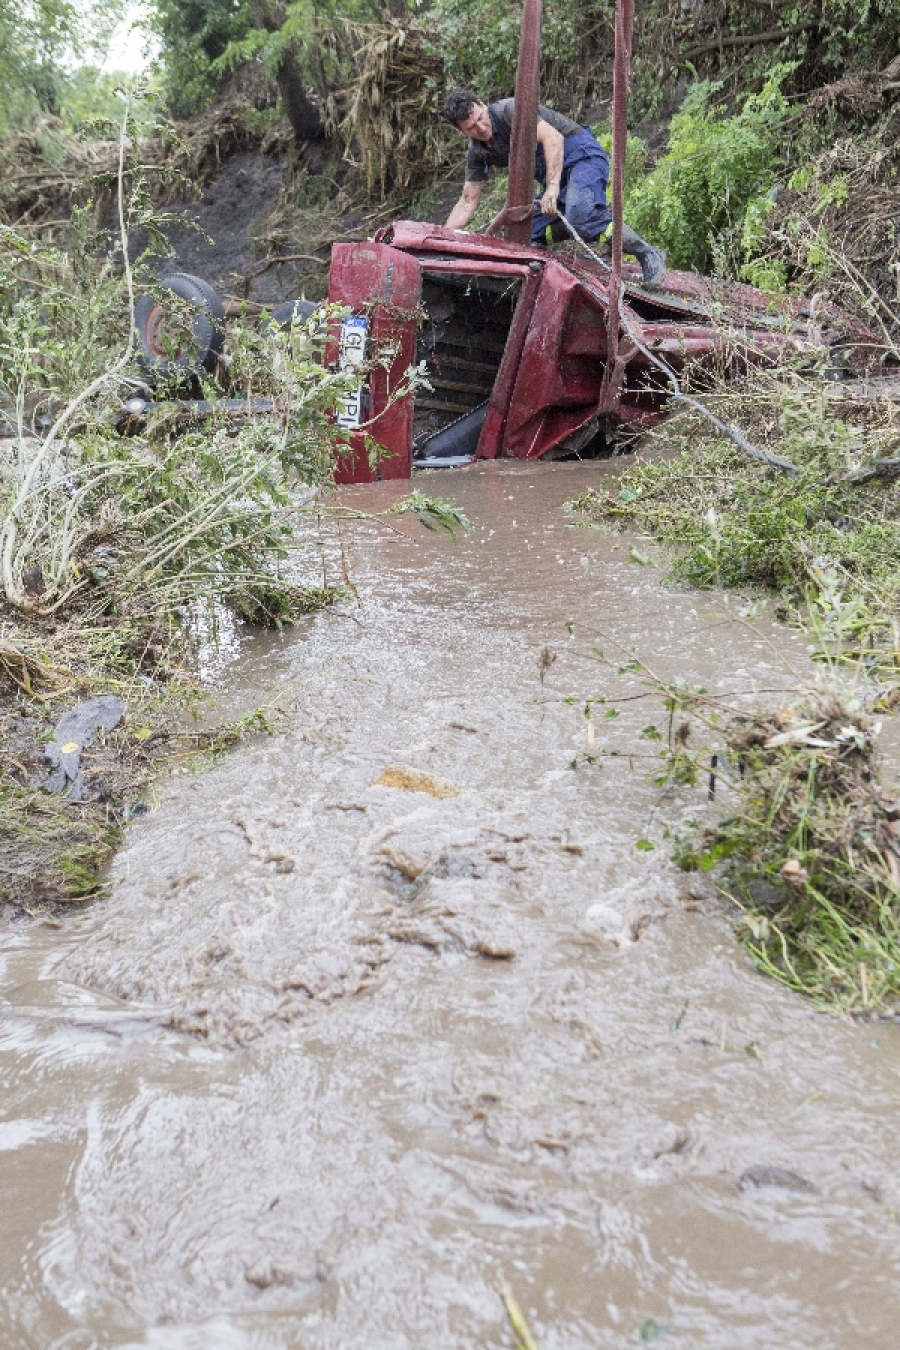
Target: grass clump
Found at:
x=811, y=849
x=826, y=544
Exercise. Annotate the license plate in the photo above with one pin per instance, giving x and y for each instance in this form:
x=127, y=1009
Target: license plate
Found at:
x=352, y=352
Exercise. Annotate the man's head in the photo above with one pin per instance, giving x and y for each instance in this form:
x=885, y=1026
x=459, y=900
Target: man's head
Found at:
x=465, y=111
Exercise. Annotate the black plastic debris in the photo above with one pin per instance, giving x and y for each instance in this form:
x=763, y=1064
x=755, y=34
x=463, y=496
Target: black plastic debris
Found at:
x=73, y=732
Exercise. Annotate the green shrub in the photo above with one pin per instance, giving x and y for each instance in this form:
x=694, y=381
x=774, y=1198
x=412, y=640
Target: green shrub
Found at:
x=715, y=176
x=635, y=156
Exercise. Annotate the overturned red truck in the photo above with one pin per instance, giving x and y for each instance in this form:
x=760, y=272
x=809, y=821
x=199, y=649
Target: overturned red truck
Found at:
x=515, y=342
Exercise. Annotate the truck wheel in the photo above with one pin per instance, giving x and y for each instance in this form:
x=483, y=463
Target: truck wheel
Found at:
x=287, y=314
x=166, y=347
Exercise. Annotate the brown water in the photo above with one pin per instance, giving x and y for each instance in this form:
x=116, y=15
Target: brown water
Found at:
x=280, y=1092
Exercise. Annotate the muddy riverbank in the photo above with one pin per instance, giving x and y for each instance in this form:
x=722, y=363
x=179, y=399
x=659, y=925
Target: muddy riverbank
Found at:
x=339, y=1056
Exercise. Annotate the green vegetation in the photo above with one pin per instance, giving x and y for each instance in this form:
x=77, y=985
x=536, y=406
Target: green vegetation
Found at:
x=517, y=1320
x=42, y=47
x=807, y=846
x=807, y=842
x=717, y=169
x=195, y=35
x=481, y=42
x=825, y=543
x=136, y=527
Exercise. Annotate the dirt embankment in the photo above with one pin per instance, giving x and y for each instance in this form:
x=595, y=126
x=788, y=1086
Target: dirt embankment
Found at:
x=251, y=235
x=217, y=239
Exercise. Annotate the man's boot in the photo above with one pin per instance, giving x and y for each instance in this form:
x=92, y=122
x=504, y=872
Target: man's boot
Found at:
x=554, y=233
x=652, y=260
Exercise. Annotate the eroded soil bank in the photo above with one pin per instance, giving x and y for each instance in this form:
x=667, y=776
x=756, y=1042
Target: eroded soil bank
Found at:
x=337, y=1057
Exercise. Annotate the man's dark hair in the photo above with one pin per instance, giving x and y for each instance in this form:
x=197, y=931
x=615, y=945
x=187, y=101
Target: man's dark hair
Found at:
x=458, y=105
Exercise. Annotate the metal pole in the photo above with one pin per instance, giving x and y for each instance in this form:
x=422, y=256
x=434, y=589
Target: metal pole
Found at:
x=624, y=24
x=520, y=193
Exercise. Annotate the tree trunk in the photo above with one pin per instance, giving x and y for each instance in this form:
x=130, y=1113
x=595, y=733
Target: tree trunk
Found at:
x=301, y=112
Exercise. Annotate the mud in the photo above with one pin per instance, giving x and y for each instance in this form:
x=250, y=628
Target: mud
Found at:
x=214, y=236
x=390, y=1008
x=216, y=240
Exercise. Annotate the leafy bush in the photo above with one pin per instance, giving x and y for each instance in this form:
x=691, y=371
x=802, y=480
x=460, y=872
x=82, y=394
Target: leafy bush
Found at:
x=195, y=34
x=635, y=156
x=37, y=44
x=714, y=177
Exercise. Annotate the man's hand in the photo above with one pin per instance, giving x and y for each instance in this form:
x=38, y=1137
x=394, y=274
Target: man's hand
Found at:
x=465, y=208
x=548, y=201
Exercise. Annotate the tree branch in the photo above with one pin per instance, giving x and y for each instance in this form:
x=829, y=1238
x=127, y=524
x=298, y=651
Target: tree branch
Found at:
x=746, y=39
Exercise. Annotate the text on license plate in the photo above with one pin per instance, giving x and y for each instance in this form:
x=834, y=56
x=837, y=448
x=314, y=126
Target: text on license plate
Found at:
x=352, y=352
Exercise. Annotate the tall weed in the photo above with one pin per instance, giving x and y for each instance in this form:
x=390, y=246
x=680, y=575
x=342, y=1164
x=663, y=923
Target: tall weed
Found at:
x=717, y=169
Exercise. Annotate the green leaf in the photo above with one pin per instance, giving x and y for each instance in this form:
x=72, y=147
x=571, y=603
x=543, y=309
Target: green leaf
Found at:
x=650, y=733
x=645, y=845
x=432, y=512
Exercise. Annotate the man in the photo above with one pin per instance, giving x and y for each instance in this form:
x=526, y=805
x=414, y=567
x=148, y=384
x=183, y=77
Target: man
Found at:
x=570, y=164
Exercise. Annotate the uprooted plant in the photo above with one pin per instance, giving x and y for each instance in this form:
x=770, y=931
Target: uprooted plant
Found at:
x=809, y=847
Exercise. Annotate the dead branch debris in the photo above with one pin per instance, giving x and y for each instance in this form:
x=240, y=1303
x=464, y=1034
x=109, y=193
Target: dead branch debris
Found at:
x=391, y=129
x=815, y=849
x=837, y=224
x=861, y=94
x=45, y=171
x=26, y=669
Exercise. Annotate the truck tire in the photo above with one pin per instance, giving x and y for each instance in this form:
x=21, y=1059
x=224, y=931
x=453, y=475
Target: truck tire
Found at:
x=207, y=329
x=287, y=314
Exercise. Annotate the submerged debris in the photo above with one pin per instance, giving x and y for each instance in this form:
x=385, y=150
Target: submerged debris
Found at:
x=72, y=733
x=756, y=1177
x=413, y=780
x=813, y=850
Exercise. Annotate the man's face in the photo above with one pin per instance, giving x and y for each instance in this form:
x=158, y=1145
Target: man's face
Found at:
x=478, y=123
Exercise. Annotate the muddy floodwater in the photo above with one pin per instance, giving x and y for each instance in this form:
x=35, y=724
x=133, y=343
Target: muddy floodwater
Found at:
x=388, y=1008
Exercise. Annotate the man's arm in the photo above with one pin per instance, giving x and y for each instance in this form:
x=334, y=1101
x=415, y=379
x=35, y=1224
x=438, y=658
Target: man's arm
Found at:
x=467, y=205
x=553, y=146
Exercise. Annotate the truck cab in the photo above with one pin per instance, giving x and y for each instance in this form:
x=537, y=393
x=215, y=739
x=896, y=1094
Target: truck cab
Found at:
x=515, y=343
